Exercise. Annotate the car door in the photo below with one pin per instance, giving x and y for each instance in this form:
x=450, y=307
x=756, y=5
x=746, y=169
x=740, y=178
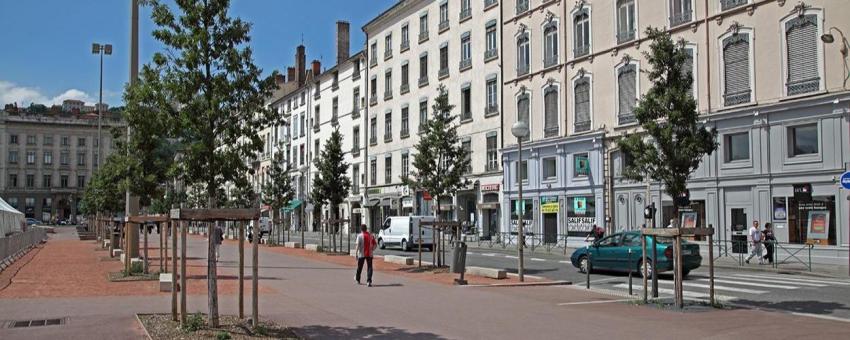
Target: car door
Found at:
x=630, y=242
x=603, y=252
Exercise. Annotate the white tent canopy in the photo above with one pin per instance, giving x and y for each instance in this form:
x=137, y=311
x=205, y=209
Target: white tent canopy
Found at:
x=11, y=219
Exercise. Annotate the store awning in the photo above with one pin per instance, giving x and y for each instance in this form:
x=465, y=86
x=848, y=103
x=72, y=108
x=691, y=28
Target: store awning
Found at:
x=490, y=206
x=294, y=204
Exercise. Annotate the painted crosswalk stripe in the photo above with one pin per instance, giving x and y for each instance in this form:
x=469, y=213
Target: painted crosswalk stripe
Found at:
x=805, y=284
x=488, y=254
x=716, y=287
x=538, y=259
x=754, y=284
x=564, y=262
x=511, y=256
x=814, y=280
x=686, y=293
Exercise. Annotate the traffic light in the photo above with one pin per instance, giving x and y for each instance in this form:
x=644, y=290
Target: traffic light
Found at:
x=649, y=211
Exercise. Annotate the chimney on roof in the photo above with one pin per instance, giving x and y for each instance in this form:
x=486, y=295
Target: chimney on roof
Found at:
x=279, y=79
x=342, y=41
x=317, y=68
x=300, y=64
x=290, y=73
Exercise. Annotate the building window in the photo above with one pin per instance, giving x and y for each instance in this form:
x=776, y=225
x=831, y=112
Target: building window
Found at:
x=466, y=103
x=317, y=150
x=355, y=95
x=737, y=147
x=81, y=142
x=625, y=20
x=405, y=37
x=465, y=9
x=405, y=165
x=13, y=139
x=730, y=4
x=423, y=114
x=48, y=157
x=549, y=168
x=63, y=181
x=30, y=157
x=492, y=153
x=521, y=6
x=66, y=141
x=550, y=44
x=13, y=180
x=803, y=140
x=423, y=27
x=46, y=181
x=423, y=69
x=64, y=158
x=355, y=73
x=31, y=140
x=388, y=169
x=355, y=140
x=523, y=105
x=801, y=39
x=523, y=55
x=581, y=31
x=13, y=157
x=373, y=54
x=373, y=90
x=388, y=46
x=316, y=117
x=444, y=61
x=581, y=165
x=303, y=125
x=492, y=96
x=582, y=104
x=550, y=111
x=522, y=171
x=48, y=140
x=465, y=51
x=335, y=82
x=388, y=126
x=301, y=154
x=388, y=84
x=626, y=93
x=690, y=52
x=373, y=131
x=444, y=16
x=81, y=181
x=736, y=69
x=334, y=109
x=680, y=12
x=373, y=171
x=405, y=78
x=30, y=181
x=355, y=179
x=466, y=146
x=491, y=41
x=405, y=121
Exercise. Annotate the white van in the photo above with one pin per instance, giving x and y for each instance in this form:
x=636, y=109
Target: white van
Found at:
x=400, y=231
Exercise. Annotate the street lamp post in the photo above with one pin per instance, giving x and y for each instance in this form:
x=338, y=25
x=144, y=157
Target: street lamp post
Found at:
x=520, y=131
x=100, y=49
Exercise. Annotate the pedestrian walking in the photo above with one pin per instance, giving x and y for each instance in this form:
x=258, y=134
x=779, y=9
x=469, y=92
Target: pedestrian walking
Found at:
x=366, y=245
x=769, y=241
x=756, y=240
x=218, y=238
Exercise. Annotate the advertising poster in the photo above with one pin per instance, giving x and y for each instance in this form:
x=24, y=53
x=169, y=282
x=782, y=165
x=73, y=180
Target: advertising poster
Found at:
x=528, y=213
x=818, y=225
x=689, y=219
x=549, y=205
x=581, y=215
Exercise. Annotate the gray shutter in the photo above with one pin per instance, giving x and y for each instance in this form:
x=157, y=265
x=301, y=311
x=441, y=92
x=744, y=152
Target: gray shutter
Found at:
x=689, y=67
x=551, y=111
x=522, y=110
x=626, y=95
x=582, y=93
x=736, y=50
x=801, y=35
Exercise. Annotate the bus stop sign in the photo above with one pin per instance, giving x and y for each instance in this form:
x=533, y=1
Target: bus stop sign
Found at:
x=845, y=180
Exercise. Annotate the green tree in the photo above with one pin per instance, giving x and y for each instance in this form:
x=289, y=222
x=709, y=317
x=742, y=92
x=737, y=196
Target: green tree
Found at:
x=215, y=96
x=673, y=141
x=332, y=181
x=278, y=191
x=104, y=193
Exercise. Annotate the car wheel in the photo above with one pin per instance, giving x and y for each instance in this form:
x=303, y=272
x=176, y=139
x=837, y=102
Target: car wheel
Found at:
x=584, y=265
x=404, y=245
x=649, y=268
x=381, y=243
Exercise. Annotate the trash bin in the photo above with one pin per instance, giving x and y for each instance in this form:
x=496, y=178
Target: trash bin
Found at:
x=459, y=258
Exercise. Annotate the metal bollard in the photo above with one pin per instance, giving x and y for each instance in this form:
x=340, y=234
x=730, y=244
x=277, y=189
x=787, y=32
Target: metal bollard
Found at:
x=587, y=269
x=630, y=271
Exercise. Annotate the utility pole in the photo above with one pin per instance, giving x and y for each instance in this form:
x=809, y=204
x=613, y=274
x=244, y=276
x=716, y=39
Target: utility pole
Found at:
x=131, y=207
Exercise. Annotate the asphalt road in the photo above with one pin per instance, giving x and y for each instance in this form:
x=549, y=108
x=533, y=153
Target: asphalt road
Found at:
x=821, y=297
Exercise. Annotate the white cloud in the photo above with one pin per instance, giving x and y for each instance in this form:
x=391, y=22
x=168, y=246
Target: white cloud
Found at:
x=12, y=93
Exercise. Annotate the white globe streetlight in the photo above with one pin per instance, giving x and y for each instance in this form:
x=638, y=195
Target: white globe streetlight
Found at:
x=520, y=131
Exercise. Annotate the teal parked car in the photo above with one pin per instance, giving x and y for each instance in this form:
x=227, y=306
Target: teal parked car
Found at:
x=612, y=254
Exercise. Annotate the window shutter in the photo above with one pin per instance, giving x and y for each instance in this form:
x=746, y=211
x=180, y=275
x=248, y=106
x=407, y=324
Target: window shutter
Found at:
x=736, y=50
x=551, y=111
x=523, y=110
x=689, y=67
x=801, y=35
x=582, y=93
x=626, y=95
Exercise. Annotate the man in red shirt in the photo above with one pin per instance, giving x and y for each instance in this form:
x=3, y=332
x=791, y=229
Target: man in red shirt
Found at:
x=366, y=245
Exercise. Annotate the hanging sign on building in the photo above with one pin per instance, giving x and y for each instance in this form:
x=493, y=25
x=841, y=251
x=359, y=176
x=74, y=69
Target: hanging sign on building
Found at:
x=490, y=187
x=803, y=192
x=818, y=224
x=549, y=205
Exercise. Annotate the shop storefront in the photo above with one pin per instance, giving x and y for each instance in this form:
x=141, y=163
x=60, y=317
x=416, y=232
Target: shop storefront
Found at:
x=581, y=215
x=489, y=209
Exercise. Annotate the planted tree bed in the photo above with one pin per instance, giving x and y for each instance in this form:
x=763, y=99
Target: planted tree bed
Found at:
x=122, y=277
x=160, y=326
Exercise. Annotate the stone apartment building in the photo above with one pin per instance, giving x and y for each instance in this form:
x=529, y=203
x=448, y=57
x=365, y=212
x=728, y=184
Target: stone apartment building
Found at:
x=48, y=160
x=412, y=48
x=765, y=77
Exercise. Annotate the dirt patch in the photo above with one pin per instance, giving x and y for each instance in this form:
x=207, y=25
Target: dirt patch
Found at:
x=120, y=277
x=160, y=326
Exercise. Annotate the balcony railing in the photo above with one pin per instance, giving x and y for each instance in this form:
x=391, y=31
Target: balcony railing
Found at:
x=803, y=86
x=521, y=7
x=355, y=151
x=491, y=109
x=491, y=54
x=373, y=140
x=355, y=113
x=373, y=100
x=581, y=51
x=388, y=94
x=405, y=45
x=522, y=70
x=465, y=64
x=736, y=98
x=388, y=54
x=373, y=61
x=680, y=18
x=444, y=25
x=405, y=132
x=335, y=85
x=388, y=137
x=730, y=4
x=423, y=36
x=550, y=131
x=582, y=126
x=465, y=13
x=550, y=60
x=626, y=118
x=423, y=81
x=488, y=3
x=444, y=72
x=625, y=36
x=405, y=88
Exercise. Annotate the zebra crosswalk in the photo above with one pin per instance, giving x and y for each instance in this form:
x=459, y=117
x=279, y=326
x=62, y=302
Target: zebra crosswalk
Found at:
x=730, y=287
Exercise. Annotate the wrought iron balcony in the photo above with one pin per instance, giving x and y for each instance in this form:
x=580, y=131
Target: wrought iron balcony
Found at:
x=465, y=14
x=444, y=25
x=405, y=88
x=736, y=98
x=550, y=131
x=521, y=7
x=581, y=51
x=388, y=54
x=730, y=4
x=423, y=81
x=491, y=54
x=626, y=118
x=680, y=18
x=803, y=86
x=444, y=72
x=582, y=126
x=388, y=94
x=465, y=64
x=423, y=36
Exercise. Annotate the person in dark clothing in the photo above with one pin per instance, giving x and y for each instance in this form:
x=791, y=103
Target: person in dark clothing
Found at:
x=769, y=239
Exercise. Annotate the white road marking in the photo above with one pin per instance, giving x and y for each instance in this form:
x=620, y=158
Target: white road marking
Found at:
x=592, y=302
x=488, y=254
x=742, y=283
x=779, y=281
x=511, y=257
x=565, y=262
x=716, y=287
x=686, y=293
x=825, y=317
x=538, y=259
x=812, y=280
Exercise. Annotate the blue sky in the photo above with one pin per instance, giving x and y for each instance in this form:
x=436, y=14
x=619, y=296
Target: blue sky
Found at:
x=47, y=43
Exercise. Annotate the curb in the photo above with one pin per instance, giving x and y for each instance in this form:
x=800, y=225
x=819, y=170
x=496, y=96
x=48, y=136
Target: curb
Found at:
x=780, y=271
x=143, y=326
x=525, y=284
x=528, y=276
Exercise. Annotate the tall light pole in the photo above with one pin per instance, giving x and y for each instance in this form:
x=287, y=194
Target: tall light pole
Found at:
x=100, y=49
x=520, y=131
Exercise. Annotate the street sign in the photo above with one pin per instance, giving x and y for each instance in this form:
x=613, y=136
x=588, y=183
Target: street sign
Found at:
x=845, y=180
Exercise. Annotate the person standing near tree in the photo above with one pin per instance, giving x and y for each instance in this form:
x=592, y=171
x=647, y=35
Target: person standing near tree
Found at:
x=366, y=245
x=756, y=239
x=218, y=233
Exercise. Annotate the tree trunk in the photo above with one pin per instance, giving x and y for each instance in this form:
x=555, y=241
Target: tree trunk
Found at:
x=241, y=271
x=145, y=232
x=254, y=281
x=212, y=273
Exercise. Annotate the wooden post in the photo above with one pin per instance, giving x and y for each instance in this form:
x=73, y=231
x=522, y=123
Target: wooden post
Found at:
x=161, y=229
x=241, y=270
x=435, y=247
x=171, y=225
x=711, y=268
x=255, y=279
x=419, y=238
x=643, y=266
x=145, y=232
x=183, y=288
x=167, y=229
x=678, y=268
